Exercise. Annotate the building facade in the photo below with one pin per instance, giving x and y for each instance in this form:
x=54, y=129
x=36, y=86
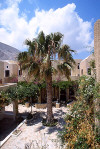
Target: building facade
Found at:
x=85, y=66
x=9, y=71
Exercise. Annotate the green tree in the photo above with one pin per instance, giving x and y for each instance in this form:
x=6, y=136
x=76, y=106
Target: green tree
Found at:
x=38, y=61
x=11, y=95
x=31, y=93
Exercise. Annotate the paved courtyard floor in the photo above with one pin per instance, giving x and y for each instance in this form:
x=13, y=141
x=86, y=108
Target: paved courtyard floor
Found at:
x=36, y=135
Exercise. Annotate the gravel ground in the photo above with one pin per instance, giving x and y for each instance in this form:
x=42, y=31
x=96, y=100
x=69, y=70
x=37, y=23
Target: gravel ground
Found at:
x=36, y=135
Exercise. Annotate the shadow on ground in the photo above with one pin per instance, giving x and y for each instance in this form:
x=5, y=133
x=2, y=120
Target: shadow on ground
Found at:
x=6, y=126
x=37, y=120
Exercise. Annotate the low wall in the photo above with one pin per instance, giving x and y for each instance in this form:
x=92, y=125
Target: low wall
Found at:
x=2, y=113
x=4, y=87
x=73, y=78
x=9, y=115
x=41, y=106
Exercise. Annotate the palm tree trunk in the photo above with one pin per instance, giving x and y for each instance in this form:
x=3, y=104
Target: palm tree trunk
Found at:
x=49, y=100
x=31, y=103
x=39, y=98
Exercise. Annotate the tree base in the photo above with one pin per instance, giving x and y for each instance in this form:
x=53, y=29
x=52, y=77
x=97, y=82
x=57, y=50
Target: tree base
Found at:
x=53, y=123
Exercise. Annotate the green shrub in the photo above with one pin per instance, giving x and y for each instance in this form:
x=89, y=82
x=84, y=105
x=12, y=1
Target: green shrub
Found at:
x=79, y=130
x=11, y=93
x=81, y=143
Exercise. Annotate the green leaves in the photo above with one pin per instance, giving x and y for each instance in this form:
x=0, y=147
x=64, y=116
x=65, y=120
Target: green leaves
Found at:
x=11, y=93
x=81, y=143
x=22, y=57
x=20, y=92
x=41, y=38
x=34, y=69
x=87, y=88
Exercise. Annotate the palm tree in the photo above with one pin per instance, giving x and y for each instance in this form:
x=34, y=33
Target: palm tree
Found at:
x=38, y=60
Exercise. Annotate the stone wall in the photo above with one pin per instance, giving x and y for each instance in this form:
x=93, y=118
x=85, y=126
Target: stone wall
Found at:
x=4, y=87
x=97, y=61
x=97, y=48
x=85, y=64
x=2, y=71
x=75, y=71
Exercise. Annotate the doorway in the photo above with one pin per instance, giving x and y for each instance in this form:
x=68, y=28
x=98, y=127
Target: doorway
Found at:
x=63, y=95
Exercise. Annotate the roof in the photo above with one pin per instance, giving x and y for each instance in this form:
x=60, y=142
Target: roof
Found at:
x=9, y=61
x=7, y=52
x=77, y=60
x=89, y=57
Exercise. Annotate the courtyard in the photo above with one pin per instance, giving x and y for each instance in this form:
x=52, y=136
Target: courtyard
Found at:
x=34, y=133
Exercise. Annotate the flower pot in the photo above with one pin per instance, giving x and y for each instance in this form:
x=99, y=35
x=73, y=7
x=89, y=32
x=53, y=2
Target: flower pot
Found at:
x=57, y=105
x=27, y=104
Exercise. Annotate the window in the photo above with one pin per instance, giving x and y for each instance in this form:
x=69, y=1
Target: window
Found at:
x=7, y=73
x=89, y=71
x=7, y=66
x=78, y=67
x=20, y=72
x=81, y=71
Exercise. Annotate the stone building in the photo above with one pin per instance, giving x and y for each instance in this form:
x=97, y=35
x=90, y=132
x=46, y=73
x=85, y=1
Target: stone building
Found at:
x=9, y=68
x=75, y=71
x=97, y=61
x=9, y=71
x=85, y=68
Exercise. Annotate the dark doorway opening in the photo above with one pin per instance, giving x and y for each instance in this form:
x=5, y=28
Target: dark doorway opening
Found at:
x=7, y=73
x=62, y=95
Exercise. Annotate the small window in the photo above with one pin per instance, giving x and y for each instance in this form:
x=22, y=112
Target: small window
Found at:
x=7, y=66
x=78, y=67
x=89, y=71
x=20, y=72
x=81, y=71
x=7, y=73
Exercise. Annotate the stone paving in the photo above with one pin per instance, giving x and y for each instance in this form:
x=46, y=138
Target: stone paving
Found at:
x=35, y=134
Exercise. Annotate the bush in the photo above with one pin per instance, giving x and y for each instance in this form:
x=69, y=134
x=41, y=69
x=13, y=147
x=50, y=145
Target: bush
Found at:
x=86, y=88
x=11, y=93
x=23, y=91
x=79, y=130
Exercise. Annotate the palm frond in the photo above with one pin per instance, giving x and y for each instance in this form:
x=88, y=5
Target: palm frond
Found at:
x=64, y=70
x=34, y=69
x=22, y=57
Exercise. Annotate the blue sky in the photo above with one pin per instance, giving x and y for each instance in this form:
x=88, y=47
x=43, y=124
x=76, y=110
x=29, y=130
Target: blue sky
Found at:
x=22, y=19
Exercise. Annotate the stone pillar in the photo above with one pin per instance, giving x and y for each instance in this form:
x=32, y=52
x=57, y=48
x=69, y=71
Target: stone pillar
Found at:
x=97, y=62
x=67, y=94
x=57, y=92
x=15, y=109
x=39, y=98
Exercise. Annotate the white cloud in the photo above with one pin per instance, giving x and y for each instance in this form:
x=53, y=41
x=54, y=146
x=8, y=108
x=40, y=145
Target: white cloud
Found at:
x=12, y=2
x=15, y=29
